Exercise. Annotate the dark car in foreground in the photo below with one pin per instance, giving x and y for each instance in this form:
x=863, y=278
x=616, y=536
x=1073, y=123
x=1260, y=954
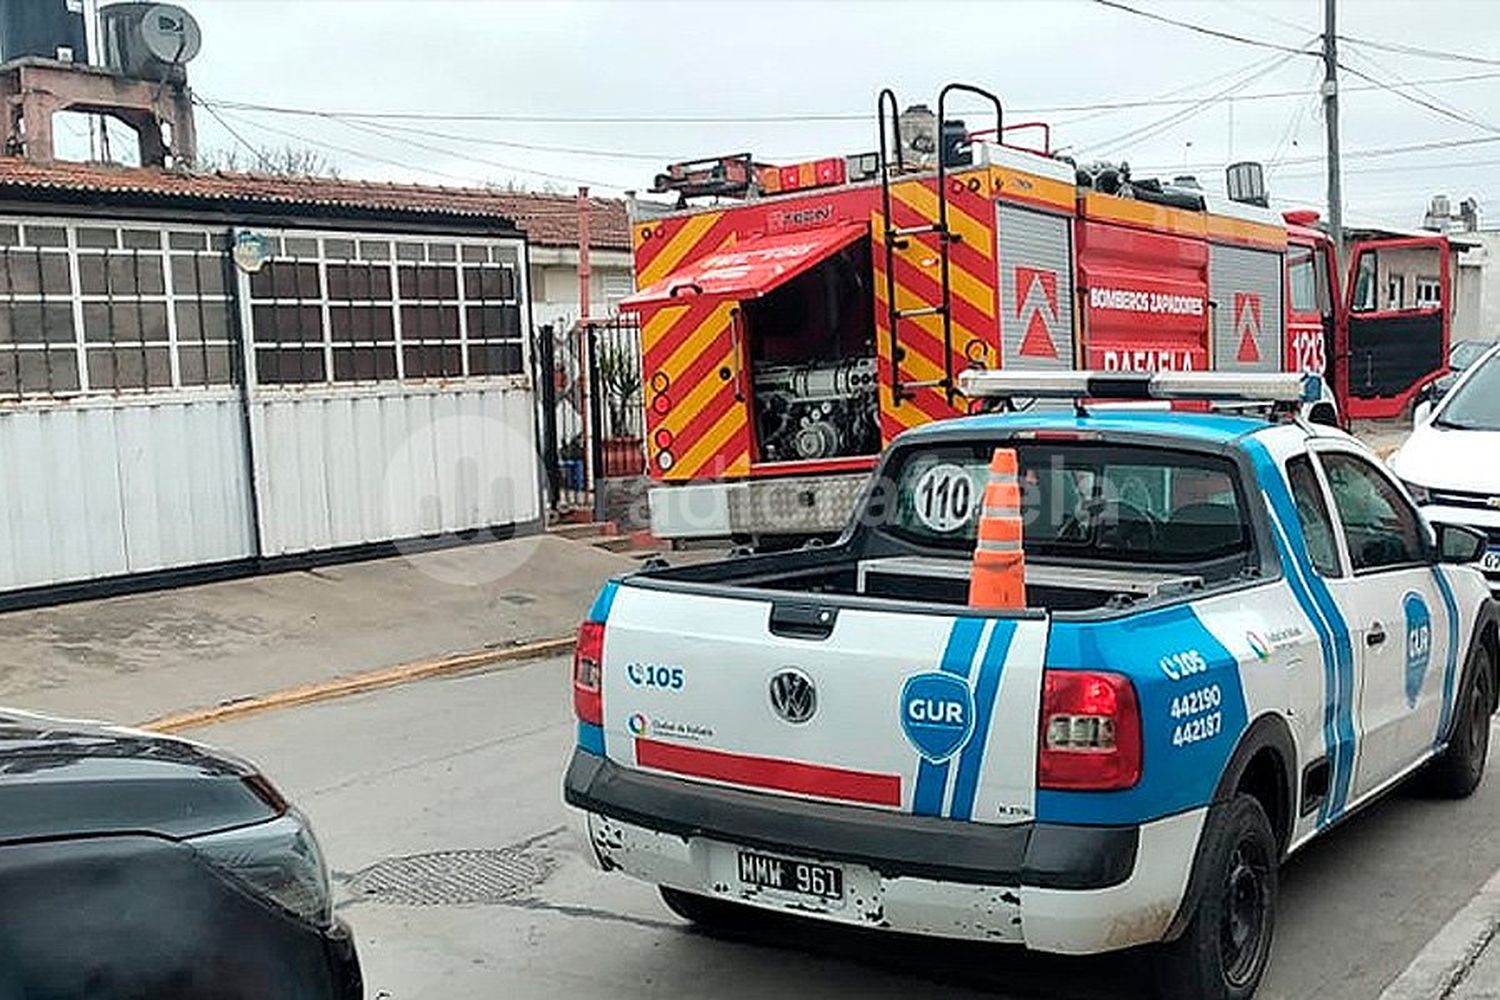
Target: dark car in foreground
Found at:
x=134, y=865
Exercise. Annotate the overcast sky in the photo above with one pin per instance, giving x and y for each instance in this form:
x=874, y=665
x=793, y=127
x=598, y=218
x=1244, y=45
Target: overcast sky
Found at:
x=737, y=61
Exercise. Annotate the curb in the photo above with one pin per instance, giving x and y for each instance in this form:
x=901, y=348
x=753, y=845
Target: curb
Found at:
x=352, y=684
x=1439, y=971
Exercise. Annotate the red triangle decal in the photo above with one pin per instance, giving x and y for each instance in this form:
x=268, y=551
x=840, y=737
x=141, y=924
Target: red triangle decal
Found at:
x=1038, y=340
x=1249, y=353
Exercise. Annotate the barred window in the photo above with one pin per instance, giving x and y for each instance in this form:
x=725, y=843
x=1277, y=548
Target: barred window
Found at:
x=336, y=309
x=104, y=308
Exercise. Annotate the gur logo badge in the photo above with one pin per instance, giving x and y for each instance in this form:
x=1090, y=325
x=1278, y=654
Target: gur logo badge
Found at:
x=1418, y=644
x=937, y=715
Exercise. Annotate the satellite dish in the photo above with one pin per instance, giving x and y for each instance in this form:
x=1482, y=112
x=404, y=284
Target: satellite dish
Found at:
x=170, y=34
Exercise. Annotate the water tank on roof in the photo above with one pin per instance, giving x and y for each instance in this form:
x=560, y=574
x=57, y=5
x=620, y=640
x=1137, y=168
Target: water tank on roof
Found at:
x=50, y=29
x=148, y=41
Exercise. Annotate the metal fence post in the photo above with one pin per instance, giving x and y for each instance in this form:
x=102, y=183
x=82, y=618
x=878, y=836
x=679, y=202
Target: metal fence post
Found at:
x=595, y=432
x=241, y=357
x=546, y=361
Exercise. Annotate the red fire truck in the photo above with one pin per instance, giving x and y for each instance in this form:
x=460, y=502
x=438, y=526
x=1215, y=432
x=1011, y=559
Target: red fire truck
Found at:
x=812, y=312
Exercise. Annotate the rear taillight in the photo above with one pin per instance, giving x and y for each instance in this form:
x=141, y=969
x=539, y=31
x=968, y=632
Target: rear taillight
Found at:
x=588, y=671
x=1091, y=732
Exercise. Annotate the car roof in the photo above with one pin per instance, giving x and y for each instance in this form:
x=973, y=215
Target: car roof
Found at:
x=1212, y=428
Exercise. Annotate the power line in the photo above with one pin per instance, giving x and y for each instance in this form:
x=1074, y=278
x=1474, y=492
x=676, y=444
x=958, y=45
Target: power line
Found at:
x=259, y=156
x=1416, y=50
x=1361, y=154
x=1294, y=124
x=361, y=154
x=1137, y=135
x=1420, y=101
x=803, y=117
x=1201, y=29
x=1167, y=99
x=383, y=132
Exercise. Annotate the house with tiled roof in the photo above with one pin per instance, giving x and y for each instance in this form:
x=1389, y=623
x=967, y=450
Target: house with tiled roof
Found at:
x=550, y=222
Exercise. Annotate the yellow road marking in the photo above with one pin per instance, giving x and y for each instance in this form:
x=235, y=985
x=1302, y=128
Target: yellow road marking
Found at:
x=343, y=687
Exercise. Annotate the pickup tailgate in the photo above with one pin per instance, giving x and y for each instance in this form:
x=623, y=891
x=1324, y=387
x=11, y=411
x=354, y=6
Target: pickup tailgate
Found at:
x=932, y=714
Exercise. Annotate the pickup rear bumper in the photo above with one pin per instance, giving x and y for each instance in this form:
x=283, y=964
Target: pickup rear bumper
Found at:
x=1071, y=889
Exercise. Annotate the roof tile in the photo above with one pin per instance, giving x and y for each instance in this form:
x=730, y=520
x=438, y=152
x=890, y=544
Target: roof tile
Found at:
x=548, y=219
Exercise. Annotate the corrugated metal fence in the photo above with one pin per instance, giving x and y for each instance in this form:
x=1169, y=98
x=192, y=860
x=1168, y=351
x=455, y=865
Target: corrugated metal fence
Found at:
x=162, y=408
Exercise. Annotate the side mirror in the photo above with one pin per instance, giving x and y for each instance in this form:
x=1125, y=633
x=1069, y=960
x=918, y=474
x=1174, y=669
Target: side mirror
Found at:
x=1457, y=544
x=1421, y=412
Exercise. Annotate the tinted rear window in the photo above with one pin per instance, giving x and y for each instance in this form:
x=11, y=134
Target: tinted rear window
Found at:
x=1113, y=503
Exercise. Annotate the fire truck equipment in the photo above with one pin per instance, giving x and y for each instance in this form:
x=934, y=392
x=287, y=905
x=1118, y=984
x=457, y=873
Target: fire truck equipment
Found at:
x=786, y=337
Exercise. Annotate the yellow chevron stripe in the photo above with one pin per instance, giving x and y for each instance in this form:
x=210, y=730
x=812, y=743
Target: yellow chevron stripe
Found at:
x=660, y=322
x=922, y=200
x=686, y=409
x=690, y=464
x=972, y=290
x=918, y=365
x=677, y=248
x=698, y=341
x=907, y=299
x=906, y=416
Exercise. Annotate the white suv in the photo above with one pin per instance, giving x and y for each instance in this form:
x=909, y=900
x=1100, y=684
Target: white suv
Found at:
x=1451, y=462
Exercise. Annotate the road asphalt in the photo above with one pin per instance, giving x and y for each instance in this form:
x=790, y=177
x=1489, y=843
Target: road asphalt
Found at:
x=448, y=790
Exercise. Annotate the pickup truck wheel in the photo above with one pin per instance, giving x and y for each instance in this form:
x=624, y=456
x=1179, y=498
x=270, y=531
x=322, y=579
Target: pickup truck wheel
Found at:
x=1225, y=950
x=1458, y=770
x=703, y=911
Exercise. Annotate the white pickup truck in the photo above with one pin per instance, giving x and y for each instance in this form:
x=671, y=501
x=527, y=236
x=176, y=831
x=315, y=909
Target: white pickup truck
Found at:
x=1237, y=631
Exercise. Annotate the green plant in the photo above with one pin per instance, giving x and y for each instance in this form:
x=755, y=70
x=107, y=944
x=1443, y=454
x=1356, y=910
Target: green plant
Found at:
x=620, y=380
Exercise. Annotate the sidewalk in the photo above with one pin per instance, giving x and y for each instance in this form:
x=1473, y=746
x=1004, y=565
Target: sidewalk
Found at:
x=133, y=658
x=1483, y=979
x=1462, y=962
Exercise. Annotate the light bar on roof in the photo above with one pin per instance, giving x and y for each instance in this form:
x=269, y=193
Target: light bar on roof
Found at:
x=1271, y=387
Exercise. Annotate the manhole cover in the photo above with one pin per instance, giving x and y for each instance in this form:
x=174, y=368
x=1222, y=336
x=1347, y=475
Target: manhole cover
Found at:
x=447, y=878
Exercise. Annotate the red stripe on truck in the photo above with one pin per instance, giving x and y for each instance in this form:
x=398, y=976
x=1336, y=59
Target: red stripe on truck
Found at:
x=769, y=772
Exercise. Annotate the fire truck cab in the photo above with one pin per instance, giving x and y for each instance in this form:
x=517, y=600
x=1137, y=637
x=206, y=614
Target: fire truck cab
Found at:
x=812, y=313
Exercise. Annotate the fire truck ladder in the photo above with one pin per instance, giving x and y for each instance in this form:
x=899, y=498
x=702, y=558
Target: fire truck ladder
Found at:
x=899, y=237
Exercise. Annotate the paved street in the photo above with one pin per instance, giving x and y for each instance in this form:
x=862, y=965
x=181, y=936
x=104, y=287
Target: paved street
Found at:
x=473, y=764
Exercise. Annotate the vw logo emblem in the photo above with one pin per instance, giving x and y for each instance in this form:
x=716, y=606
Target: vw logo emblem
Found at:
x=793, y=695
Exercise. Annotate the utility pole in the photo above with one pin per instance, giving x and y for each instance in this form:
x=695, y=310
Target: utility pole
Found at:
x=1331, y=118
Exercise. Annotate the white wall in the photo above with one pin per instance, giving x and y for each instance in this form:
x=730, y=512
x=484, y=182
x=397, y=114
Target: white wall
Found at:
x=1477, y=316
x=554, y=284
x=343, y=467
x=96, y=488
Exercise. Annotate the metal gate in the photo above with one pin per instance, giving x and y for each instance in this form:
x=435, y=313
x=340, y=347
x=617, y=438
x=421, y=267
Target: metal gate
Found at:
x=593, y=416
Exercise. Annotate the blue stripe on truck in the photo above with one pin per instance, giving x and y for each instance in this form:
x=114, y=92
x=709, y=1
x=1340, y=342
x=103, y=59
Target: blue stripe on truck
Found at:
x=599, y=612
x=958, y=657
x=1450, y=668
x=1317, y=602
x=986, y=689
x=591, y=738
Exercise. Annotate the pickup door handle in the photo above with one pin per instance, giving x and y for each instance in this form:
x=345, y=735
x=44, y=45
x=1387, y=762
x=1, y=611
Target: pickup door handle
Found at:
x=1376, y=635
x=799, y=620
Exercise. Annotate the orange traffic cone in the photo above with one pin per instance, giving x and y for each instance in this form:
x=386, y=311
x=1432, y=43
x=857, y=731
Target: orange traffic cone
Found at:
x=999, y=579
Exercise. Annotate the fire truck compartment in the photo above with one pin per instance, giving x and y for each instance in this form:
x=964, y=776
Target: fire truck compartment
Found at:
x=811, y=341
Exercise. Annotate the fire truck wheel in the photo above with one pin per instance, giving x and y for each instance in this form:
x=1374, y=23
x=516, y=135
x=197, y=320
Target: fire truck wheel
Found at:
x=1225, y=950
